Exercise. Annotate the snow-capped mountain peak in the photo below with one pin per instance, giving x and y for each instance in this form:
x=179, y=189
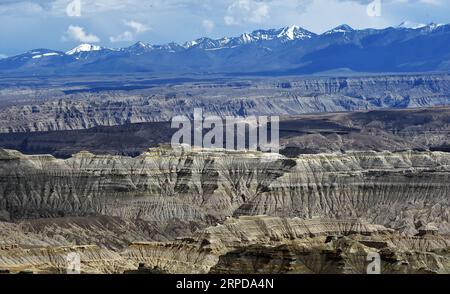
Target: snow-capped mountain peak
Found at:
x=294, y=33
x=285, y=34
x=140, y=45
x=289, y=32
x=84, y=48
x=261, y=35
x=137, y=48
x=342, y=29
x=410, y=25
x=203, y=43
x=416, y=26
x=260, y=50
x=432, y=26
x=190, y=44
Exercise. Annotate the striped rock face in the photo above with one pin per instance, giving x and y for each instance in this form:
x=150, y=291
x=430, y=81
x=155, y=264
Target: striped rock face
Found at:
x=402, y=191
x=323, y=213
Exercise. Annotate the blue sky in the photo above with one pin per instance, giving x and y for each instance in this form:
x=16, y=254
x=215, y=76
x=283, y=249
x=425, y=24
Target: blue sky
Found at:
x=50, y=24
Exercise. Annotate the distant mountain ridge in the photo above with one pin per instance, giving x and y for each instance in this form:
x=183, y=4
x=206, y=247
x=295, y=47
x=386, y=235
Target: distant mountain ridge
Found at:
x=288, y=50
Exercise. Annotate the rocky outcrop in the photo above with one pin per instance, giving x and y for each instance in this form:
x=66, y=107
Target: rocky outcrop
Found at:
x=344, y=256
x=45, y=245
x=404, y=191
x=55, y=260
x=22, y=250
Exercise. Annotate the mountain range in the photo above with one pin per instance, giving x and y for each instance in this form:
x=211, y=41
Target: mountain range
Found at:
x=289, y=50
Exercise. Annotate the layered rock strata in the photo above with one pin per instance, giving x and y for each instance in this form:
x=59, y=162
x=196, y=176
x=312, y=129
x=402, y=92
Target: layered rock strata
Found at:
x=268, y=245
x=403, y=191
x=50, y=109
x=251, y=244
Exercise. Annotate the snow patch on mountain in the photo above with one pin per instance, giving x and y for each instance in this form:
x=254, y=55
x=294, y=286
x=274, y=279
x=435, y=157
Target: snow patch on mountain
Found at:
x=289, y=33
x=45, y=55
x=342, y=29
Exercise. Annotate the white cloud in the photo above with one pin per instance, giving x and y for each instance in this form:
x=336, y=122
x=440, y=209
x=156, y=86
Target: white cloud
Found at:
x=76, y=33
x=137, y=26
x=20, y=8
x=431, y=2
x=208, y=25
x=93, y=7
x=2, y=56
x=126, y=36
x=129, y=35
x=246, y=11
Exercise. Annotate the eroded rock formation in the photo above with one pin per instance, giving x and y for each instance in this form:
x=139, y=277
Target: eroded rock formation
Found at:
x=251, y=244
x=51, y=109
x=262, y=244
x=197, y=211
x=402, y=190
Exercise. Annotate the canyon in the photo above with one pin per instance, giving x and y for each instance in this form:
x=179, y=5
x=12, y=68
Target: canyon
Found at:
x=363, y=171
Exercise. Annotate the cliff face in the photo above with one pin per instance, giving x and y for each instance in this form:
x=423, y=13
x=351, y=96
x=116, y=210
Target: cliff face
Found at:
x=399, y=190
x=283, y=97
